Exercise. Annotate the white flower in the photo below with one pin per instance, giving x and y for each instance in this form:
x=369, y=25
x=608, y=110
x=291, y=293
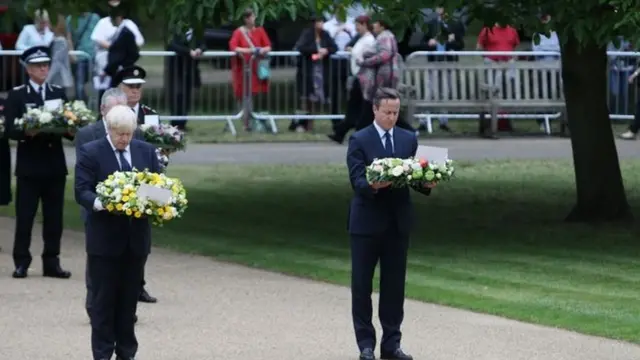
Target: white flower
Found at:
x=378, y=168
x=397, y=171
x=438, y=176
x=45, y=118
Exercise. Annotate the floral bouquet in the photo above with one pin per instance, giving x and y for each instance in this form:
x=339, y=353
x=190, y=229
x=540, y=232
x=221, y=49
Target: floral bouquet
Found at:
x=165, y=137
x=69, y=118
x=394, y=170
x=431, y=172
x=163, y=159
x=119, y=195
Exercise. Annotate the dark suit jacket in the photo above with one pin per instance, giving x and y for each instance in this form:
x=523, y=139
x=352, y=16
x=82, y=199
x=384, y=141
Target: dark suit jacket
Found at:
x=5, y=163
x=144, y=110
x=374, y=212
x=41, y=155
x=90, y=133
x=107, y=234
x=123, y=52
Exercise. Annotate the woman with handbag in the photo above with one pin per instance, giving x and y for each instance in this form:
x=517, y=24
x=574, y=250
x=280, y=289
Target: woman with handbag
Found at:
x=249, y=40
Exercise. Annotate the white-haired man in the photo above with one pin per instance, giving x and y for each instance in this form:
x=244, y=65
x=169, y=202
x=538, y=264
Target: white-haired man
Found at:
x=117, y=246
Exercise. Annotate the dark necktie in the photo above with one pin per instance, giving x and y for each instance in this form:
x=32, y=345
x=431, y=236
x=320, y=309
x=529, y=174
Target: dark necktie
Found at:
x=124, y=164
x=40, y=92
x=388, y=146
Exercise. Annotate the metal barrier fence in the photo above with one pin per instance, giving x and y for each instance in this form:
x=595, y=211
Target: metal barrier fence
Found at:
x=454, y=85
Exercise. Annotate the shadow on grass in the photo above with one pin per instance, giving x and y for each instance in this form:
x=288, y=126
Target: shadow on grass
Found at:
x=491, y=240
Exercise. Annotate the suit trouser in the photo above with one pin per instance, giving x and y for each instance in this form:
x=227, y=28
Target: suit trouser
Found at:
x=29, y=192
x=115, y=283
x=180, y=101
x=390, y=248
x=88, y=301
x=354, y=111
x=5, y=172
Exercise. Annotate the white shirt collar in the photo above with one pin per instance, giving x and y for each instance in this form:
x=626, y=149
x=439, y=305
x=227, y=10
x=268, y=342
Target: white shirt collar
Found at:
x=36, y=86
x=113, y=147
x=136, y=108
x=382, y=131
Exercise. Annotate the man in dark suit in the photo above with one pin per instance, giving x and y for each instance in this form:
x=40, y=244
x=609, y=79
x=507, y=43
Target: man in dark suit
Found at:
x=117, y=246
x=95, y=131
x=5, y=161
x=183, y=74
x=130, y=80
x=380, y=219
x=41, y=168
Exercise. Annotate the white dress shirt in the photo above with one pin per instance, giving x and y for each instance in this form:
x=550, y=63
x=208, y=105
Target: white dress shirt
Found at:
x=29, y=37
x=382, y=132
x=36, y=86
x=97, y=205
x=135, y=109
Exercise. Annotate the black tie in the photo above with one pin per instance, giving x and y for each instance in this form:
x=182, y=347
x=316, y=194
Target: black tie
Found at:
x=124, y=164
x=40, y=91
x=388, y=146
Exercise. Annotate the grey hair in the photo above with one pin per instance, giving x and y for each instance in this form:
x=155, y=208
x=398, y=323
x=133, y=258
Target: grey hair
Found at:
x=110, y=98
x=384, y=94
x=121, y=118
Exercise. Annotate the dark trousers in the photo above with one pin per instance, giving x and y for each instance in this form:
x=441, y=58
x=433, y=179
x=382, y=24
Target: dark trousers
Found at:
x=390, y=249
x=635, y=124
x=29, y=193
x=337, y=88
x=89, y=300
x=116, y=286
x=353, y=113
x=5, y=171
x=180, y=103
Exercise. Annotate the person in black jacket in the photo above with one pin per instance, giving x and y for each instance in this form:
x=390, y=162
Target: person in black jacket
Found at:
x=5, y=160
x=183, y=74
x=41, y=167
x=313, y=75
x=123, y=51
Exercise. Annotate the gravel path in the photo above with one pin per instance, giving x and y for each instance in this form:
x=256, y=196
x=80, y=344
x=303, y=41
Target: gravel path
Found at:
x=212, y=310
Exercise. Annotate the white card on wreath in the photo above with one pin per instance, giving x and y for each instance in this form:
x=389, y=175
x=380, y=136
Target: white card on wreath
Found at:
x=160, y=196
x=431, y=153
x=153, y=120
x=52, y=105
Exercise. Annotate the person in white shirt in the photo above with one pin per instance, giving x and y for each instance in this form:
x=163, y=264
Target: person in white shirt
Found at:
x=103, y=35
x=36, y=34
x=366, y=43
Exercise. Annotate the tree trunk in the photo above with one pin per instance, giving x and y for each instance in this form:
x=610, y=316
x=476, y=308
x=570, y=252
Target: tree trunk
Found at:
x=600, y=191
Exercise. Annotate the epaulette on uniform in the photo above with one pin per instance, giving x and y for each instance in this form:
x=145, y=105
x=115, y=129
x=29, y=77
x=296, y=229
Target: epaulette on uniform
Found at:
x=55, y=86
x=19, y=87
x=145, y=107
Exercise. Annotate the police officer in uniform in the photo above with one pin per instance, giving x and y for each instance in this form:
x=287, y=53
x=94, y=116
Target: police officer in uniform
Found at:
x=130, y=80
x=5, y=161
x=41, y=169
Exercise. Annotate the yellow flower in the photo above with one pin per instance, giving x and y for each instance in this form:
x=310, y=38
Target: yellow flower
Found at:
x=133, y=195
x=128, y=212
x=160, y=211
x=119, y=207
x=110, y=177
x=110, y=207
x=140, y=176
x=125, y=198
x=137, y=215
x=125, y=191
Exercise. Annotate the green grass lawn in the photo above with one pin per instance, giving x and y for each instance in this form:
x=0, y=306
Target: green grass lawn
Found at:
x=491, y=241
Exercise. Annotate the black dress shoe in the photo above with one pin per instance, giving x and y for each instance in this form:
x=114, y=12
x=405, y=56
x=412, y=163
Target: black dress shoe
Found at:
x=146, y=298
x=398, y=354
x=20, y=272
x=367, y=354
x=56, y=272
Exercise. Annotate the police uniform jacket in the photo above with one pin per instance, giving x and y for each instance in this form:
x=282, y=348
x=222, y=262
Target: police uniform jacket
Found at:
x=41, y=155
x=144, y=110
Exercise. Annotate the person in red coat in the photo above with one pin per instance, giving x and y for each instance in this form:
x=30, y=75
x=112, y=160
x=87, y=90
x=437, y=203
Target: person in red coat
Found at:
x=248, y=40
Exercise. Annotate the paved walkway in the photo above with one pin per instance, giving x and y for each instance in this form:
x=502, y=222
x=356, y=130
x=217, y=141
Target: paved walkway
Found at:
x=210, y=310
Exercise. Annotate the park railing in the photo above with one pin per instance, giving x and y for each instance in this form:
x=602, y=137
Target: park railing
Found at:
x=452, y=85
